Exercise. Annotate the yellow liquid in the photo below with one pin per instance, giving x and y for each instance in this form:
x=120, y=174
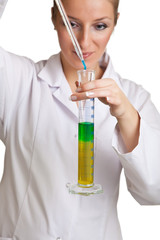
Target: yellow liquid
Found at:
x=85, y=155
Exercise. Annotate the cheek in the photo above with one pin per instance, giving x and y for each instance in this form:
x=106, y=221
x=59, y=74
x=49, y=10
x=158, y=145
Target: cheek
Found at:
x=64, y=40
x=102, y=41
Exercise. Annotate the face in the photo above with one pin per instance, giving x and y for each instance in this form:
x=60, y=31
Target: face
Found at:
x=93, y=23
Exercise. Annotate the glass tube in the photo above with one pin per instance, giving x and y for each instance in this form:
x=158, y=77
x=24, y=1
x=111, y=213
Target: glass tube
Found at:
x=85, y=185
x=70, y=31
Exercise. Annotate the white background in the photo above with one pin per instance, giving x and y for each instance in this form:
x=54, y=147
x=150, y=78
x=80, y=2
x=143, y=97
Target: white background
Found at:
x=26, y=29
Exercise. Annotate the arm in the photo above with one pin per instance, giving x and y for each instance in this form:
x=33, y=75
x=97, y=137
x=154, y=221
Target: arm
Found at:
x=2, y=6
x=142, y=164
x=129, y=125
x=15, y=76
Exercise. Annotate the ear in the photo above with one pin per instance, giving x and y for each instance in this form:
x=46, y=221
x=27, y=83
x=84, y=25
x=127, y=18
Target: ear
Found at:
x=116, y=19
x=53, y=17
x=118, y=15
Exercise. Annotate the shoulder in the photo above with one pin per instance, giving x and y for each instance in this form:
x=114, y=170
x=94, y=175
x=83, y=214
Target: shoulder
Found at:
x=16, y=67
x=131, y=88
x=135, y=92
x=9, y=58
x=53, y=60
x=128, y=86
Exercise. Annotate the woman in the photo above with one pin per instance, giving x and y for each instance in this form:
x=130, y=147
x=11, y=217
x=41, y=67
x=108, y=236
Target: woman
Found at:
x=38, y=125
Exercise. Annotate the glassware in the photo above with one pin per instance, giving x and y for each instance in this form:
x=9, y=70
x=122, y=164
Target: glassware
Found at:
x=70, y=31
x=85, y=185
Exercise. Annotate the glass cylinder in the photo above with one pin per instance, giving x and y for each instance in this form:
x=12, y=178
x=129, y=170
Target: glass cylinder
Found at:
x=86, y=134
x=85, y=185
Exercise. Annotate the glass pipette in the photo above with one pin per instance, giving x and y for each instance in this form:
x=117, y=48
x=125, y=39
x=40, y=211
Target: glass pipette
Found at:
x=70, y=31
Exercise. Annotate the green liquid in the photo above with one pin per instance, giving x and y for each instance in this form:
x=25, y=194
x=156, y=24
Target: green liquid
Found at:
x=85, y=154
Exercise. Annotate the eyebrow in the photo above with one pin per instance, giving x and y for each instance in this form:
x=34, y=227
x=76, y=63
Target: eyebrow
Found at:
x=98, y=19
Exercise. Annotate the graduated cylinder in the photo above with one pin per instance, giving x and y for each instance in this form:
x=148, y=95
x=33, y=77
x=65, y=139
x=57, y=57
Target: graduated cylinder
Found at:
x=85, y=185
x=86, y=134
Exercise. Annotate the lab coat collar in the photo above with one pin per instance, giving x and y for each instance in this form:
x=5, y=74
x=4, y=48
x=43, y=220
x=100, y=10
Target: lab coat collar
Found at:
x=106, y=63
x=52, y=72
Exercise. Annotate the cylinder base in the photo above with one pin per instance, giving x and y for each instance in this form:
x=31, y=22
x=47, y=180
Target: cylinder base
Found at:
x=85, y=190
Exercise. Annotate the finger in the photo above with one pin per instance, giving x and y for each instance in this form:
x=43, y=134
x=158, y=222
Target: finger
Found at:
x=90, y=94
x=77, y=84
x=113, y=101
x=96, y=84
x=81, y=96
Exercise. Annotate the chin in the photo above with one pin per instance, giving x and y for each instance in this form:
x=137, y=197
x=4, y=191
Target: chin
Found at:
x=78, y=66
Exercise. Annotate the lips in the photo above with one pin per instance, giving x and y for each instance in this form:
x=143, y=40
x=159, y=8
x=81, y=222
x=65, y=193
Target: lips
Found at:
x=85, y=54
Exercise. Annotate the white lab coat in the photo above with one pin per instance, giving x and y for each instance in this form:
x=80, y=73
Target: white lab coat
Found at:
x=38, y=125
x=2, y=6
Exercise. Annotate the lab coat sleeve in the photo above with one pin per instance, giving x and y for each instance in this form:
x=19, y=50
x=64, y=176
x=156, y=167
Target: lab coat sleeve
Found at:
x=14, y=71
x=2, y=6
x=16, y=74
x=142, y=165
x=3, y=86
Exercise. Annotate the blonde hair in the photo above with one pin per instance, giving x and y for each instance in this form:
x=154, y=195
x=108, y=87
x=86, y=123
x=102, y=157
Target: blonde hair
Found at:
x=115, y=4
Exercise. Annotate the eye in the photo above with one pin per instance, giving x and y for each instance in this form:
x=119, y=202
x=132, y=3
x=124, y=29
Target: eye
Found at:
x=101, y=26
x=74, y=24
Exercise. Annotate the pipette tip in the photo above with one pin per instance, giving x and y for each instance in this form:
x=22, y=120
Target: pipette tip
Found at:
x=84, y=64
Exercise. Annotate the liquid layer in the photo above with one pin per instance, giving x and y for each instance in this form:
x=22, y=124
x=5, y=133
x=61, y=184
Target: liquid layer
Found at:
x=86, y=153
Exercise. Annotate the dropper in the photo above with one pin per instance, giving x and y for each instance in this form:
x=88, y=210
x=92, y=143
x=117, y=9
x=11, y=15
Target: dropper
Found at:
x=70, y=31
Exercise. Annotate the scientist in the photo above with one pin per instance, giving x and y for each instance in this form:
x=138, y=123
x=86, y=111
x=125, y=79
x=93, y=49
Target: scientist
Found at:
x=38, y=125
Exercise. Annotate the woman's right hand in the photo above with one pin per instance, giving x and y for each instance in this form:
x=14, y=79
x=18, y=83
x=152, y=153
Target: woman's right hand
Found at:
x=109, y=93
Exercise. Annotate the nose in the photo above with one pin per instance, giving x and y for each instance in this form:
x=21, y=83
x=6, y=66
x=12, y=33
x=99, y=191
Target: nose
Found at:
x=84, y=39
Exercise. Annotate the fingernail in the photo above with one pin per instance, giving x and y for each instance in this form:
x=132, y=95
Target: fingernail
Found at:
x=77, y=83
x=72, y=98
x=89, y=94
x=78, y=89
